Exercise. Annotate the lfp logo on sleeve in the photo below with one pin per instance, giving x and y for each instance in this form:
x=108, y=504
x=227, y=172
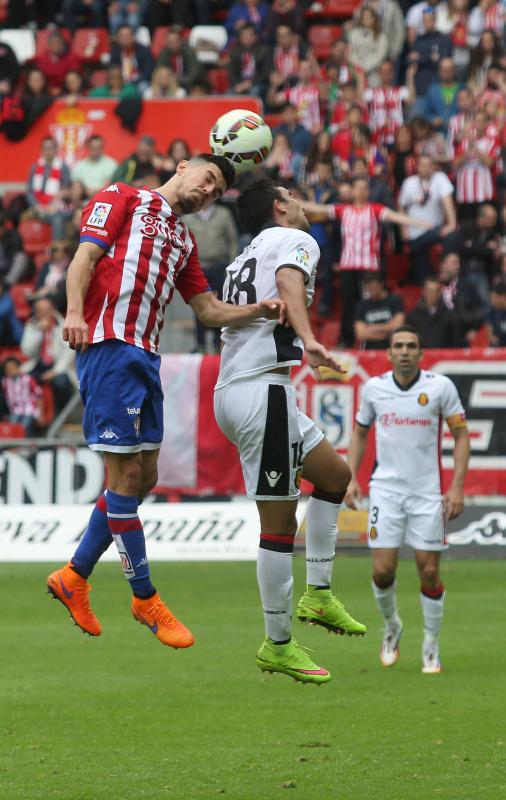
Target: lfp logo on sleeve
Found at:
x=99, y=214
x=302, y=256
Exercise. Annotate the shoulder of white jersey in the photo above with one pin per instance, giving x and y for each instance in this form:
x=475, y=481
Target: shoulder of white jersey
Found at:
x=378, y=381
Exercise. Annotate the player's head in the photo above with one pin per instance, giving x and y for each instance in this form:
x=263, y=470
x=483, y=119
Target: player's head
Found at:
x=405, y=351
x=200, y=181
x=264, y=203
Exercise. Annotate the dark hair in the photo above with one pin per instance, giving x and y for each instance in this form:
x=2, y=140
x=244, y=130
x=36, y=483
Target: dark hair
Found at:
x=223, y=164
x=13, y=359
x=95, y=137
x=406, y=329
x=373, y=275
x=255, y=204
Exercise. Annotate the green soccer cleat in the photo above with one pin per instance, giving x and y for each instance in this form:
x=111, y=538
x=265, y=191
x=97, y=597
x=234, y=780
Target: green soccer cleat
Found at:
x=290, y=659
x=320, y=607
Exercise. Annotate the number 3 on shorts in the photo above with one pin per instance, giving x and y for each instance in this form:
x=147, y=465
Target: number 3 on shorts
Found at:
x=373, y=518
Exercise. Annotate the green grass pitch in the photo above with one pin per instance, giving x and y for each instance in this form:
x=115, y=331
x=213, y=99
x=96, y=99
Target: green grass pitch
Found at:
x=122, y=717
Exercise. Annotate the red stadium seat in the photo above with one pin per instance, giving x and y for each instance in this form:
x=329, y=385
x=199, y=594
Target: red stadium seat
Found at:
x=12, y=430
x=341, y=8
x=410, y=296
x=36, y=235
x=18, y=293
x=91, y=44
x=218, y=78
x=42, y=37
x=158, y=40
x=321, y=38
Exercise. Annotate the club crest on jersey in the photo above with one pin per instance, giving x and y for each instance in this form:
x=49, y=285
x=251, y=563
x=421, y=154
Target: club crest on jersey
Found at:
x=99, y=214
x=302, y=256
x=423, y=399
x=373, y=533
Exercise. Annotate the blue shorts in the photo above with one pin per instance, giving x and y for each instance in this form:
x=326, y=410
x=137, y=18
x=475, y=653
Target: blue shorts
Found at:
x=122, y=396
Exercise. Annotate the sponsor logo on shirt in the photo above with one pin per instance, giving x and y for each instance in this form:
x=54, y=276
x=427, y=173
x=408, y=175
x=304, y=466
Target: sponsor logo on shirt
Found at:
x=99, y=214
x=302, y=256
x=392, y=419
x=154, y=226
x=423, y=399
x=97, y=233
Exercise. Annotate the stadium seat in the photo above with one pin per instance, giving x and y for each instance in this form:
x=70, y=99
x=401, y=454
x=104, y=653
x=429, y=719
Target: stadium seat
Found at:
x=321, y=38
x=18, y=293
x=47, y=413
x=341, y=8
x=92, y=45
x=42, y=36
x=410, y=296
x=21, y=41
x=208, y=41
x=158, y=40
x=481, y=339
x=12, y=430
x=36, y=235
x=218, y=78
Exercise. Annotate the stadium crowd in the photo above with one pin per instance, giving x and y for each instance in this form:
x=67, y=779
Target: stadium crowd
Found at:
x=372, y=104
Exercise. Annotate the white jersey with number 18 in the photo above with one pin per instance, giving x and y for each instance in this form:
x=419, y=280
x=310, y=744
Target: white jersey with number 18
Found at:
x=263, y=345
x=409, y=423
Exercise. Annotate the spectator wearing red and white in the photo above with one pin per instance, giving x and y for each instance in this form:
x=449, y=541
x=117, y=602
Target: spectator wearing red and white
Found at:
x=48, y=177
x=386, y=105
x=368, y=44
x=487, y=15
x=342, y=142
x=306, y=96
x=23, y=395
x=288, y=52
x=493, y=95
x=361, y=238
x=56, y=61
x=487, y=52
x=461, y=120
x=475, y=164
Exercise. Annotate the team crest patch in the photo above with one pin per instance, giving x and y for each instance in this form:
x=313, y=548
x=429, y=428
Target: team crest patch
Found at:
x=302, y=256
x=423, y=399
x=373, y=533
x=99, y=214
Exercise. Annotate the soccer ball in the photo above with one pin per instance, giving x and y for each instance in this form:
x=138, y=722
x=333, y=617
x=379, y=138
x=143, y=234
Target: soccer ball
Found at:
x=243, y=137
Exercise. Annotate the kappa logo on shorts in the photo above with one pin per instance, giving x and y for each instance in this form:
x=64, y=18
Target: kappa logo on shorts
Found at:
x=273, y=477
x=108, y=434
x=373, y=533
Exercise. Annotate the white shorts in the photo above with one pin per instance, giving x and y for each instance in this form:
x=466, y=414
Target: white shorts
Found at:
x=396, y=519
x=260, y=416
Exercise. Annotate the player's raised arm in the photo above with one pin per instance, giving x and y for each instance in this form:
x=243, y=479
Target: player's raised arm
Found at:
x=404, y=219
x=214, y=313
x=75, y=329
x=356, y=453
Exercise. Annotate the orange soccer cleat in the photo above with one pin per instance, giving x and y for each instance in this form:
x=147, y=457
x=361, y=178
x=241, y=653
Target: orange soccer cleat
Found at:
x=154, y=614
x=72, y=590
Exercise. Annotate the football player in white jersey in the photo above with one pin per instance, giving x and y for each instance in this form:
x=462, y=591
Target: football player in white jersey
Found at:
x=406, y=504
x=256, y=408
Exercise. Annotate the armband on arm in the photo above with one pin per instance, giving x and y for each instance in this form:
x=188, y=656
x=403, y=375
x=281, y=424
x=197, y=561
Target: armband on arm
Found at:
x=456, y=421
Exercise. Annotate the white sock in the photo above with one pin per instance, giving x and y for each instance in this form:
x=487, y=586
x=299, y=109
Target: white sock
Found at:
x=321, y=535
x=386, y=600
x=432, y=610
x=275, y=581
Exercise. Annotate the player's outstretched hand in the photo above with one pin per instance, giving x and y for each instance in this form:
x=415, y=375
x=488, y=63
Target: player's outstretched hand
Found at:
x=75, y=331
x=273, y=309
x=353, y=494
x=453, y=502
x=318, y=356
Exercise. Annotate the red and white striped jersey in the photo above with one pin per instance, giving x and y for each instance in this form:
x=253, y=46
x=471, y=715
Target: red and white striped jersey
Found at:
x=307, y=100
x=386, y=113
x=149, y=252
x=474, y=179
x=361, y=234
x=22, y=394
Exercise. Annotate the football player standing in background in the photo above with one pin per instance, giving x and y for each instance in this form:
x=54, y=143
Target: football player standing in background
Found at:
x=406, y=505
x=134, y=251
x=256, y=408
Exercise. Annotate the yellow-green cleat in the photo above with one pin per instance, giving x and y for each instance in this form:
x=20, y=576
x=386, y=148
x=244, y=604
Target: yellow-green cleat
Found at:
x=320, y=607
x=290, y=659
